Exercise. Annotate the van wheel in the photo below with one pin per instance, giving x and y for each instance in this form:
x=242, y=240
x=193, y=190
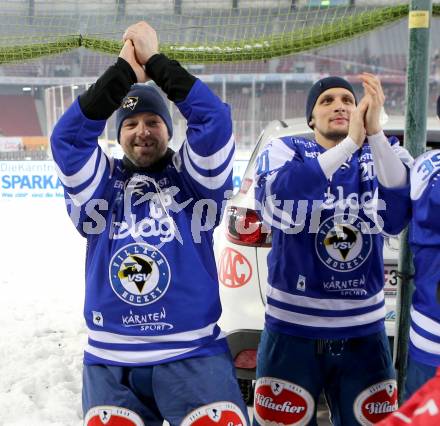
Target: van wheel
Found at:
x=247, y=390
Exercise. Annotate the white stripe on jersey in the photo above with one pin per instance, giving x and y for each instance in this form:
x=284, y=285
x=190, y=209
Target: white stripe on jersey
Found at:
x=282, y=218
x=326, y=304
x=425, y=323
x=212, y=161
x=279, y=154
x=423, y=343
x=82, y=175
x=325, y=322
x=139, y=357
x=210, y=182
x=85, y=195
x=187, y=336
x=136, y=357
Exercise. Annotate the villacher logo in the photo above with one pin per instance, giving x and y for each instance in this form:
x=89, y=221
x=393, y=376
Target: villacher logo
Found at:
x=278, y=402
x=139, y=274
x=376, y=402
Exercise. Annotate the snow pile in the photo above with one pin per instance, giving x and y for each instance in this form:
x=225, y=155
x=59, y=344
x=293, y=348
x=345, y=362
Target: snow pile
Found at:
x=42, y=329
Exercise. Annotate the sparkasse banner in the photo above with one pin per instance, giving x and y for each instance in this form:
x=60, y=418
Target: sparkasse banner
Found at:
x=38, y=179
x=29, y=179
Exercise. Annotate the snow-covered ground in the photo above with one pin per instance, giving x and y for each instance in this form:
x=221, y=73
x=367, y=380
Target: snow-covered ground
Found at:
x=41, y=327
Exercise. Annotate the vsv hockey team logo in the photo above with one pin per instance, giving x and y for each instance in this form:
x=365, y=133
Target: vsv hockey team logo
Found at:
x=278, y=402
x=139, y=274
x=221, y=413
x=130, y=102
x=343, y=245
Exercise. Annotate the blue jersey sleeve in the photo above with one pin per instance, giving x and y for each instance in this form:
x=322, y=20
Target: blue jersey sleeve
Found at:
x=82, y=166
x=206, y=157
x=425, y=196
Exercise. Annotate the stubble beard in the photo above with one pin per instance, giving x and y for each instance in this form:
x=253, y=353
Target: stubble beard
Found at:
x=336, y=136
x=147, y=161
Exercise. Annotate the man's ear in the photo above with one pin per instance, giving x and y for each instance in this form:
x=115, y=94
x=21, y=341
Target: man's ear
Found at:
x=311, y=122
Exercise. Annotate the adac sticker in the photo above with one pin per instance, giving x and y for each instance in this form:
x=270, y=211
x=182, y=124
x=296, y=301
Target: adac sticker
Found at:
x=376, y=402
x=112, y=416
x=234, y=269
x=139, y=274
x=221, y=413
x=279, y=402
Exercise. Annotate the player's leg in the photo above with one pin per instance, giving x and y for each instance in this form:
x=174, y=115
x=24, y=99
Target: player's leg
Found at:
x=361, y=382
x=108, y=396
x=417, y=375
x=200, y=391
x=289, y=380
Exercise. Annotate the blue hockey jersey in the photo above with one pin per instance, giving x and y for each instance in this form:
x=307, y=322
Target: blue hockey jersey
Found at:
x=325, y=267
x=425, y=243
x=151, y=280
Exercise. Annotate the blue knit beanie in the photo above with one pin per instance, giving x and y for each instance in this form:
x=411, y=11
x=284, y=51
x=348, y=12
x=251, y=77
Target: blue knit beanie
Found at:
x=320, y=87
x=143, y=98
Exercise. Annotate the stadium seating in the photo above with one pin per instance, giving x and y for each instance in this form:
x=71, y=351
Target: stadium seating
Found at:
x=19, y=116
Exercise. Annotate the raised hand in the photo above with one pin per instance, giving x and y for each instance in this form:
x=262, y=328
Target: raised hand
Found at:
x=144, y=39
x=376, y=99
x=128, y=53
x=356, y=130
